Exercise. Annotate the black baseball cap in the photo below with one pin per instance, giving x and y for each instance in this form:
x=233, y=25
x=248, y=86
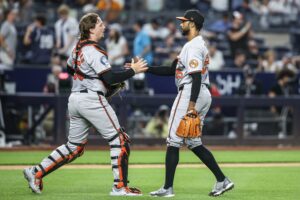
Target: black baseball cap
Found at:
x=192, y=15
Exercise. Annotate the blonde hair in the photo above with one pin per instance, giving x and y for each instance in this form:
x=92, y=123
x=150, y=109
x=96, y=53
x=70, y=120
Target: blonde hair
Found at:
x=63, y=9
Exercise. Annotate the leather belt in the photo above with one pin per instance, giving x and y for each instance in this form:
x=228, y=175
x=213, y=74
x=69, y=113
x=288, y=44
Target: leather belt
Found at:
x=86, y=91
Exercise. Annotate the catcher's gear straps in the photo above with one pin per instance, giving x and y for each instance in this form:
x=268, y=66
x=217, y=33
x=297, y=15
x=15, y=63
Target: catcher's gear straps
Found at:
x=80, y=44
x=64, y=154
x=122, y=158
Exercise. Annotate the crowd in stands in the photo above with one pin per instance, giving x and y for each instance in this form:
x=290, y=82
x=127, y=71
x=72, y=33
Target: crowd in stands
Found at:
x=43, y=39
x=41, y=33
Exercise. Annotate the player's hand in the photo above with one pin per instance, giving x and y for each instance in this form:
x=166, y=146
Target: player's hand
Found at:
x=139, y=65
x=30, y=28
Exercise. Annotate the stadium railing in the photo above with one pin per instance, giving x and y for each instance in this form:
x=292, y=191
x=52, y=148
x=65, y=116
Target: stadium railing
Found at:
x=59, y=104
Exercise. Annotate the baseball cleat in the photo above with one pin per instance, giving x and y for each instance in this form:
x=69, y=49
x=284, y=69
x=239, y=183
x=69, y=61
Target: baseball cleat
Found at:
x=125, y=191
x=35, y=184
x=221, y=187
x=162, y=192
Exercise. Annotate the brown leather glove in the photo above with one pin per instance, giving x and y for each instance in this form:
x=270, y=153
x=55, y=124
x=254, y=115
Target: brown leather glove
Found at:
x=189, y=126
x=114, y=89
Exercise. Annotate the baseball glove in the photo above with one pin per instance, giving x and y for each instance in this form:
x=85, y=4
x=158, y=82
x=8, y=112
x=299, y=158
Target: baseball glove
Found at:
x=114, y=89
x=189, y=126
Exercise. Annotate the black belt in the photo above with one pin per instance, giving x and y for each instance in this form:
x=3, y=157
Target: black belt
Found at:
x=86, y=91
x=182, y=86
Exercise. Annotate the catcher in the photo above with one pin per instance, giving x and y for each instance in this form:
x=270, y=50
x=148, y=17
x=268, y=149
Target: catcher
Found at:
x=93, y=82
x=190, y=106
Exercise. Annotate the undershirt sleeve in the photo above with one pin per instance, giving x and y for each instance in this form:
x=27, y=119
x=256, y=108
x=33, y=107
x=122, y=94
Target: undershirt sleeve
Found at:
x=196, y=86
x=111, y=77
x=164, y=70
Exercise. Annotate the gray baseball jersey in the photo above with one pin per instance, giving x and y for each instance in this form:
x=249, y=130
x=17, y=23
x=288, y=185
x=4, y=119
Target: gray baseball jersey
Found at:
x=192, y=58
x=91, y=62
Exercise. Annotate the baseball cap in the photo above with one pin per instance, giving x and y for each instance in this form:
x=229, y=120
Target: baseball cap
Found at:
x=192, y=15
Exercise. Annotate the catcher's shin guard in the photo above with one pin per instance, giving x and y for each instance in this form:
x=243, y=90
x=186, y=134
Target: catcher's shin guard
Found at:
x=120, y=151
x=64, y=154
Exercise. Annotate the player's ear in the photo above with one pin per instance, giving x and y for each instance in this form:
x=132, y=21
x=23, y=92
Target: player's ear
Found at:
x=192, y=24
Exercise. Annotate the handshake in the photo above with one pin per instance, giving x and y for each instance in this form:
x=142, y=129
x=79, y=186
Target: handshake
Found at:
x=139, y=65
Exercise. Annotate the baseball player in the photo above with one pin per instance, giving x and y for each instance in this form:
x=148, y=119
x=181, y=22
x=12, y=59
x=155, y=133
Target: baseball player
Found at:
x=191, y=75
x=88, y=106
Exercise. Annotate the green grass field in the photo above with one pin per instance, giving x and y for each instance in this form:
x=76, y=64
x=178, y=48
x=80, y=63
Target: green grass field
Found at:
x=157, y=157
x=253, y=183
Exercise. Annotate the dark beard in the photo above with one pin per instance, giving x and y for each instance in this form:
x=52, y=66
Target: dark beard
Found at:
x=185, y=32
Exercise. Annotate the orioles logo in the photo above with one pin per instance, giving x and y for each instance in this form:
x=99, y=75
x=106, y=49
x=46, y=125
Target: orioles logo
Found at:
x=193, y=63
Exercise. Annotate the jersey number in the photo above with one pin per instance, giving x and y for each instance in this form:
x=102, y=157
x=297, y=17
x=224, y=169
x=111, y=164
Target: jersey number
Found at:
x=46, y=42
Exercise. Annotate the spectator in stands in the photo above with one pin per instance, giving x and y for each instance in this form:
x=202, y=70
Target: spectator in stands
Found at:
x=46, y=127
x=168, y=46
x=283, y=12
x=142, y=47
x=279, y=7
x=153, y=5
x=268, y=62
x=66, y=31
x=88, y=8
x=261, y=8
x=171, y=29
x=239, y=33
x=142, y=43
x=296, y=61
x=116, y=45
x=53, y=77
x=26, y=10
x=137, y=122
x=253, y=50
x=219, y=6
x=283, y=87
x=239, y=61
x=221, y=25
x=286, y=62
x=250, y=86
x=216, y=57
x=245, y=8
x=8, y=38
x=158, y=125
x=152, y=29
x=172, y=56
x=41, y=41
x=3, y=7
x=111, y=8
x=285, y=79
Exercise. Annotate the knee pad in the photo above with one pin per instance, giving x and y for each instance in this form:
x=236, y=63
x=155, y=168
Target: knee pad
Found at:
x=75, y=150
